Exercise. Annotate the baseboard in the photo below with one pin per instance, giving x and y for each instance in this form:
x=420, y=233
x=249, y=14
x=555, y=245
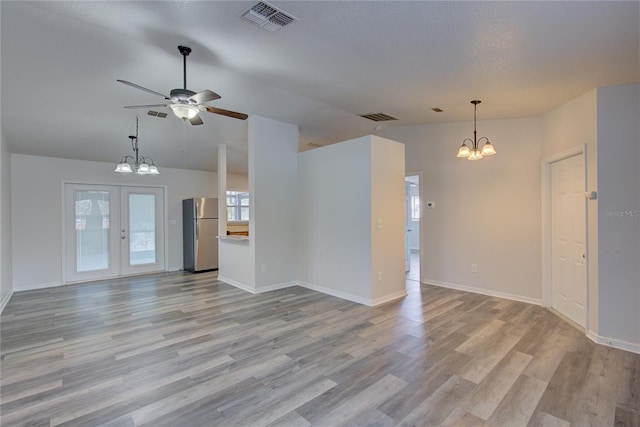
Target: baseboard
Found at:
x=338, y=294
x=5, y=300
x=275, y=287
x=391, y=297
x=236, y=284
x=487, y=292
x=614, y=343
x=38, y=286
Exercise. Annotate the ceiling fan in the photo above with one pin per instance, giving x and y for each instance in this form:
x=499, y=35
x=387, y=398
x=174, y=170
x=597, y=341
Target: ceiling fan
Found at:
x=185, y=103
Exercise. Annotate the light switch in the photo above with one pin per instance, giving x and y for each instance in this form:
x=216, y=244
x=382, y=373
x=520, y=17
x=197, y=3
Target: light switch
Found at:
x=379, y=224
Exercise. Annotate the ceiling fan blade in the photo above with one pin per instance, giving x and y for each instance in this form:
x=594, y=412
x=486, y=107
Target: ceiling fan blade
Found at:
x=204, y=96
x=196, y=120
x=214, y=110
x=146, y=106
x=143, y=88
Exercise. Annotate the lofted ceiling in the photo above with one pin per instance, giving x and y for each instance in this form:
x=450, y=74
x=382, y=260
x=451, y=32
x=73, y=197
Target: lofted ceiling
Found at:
x=60, y=62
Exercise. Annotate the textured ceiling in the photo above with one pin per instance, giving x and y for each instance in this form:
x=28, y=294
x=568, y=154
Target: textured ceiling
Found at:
x=60, y=62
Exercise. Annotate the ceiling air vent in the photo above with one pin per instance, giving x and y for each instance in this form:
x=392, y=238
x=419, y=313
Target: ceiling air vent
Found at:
x=157, y=114
x=378, y=117
x=268, y=17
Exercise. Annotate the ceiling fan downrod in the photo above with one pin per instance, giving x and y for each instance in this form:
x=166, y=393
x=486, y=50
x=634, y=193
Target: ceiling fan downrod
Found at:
x=184, y=51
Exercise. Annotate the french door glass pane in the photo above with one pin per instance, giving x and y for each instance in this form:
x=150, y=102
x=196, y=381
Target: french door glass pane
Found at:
x=92, y=230
x=142, y=229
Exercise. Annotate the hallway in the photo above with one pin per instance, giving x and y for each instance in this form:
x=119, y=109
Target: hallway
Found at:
x=414, y=273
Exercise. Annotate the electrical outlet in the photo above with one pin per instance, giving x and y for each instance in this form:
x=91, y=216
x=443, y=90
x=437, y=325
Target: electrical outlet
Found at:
x=474, y=268
x=379, y=275
x=263, y=268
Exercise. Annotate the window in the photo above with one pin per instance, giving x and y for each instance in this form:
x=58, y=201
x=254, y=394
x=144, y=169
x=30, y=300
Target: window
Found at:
x=415, y=208
x=237, y=206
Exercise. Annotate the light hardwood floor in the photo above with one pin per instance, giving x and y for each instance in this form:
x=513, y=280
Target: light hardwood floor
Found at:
x=187, y=350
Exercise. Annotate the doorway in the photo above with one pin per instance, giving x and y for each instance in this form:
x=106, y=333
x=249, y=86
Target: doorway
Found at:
x=413, y=213
x=568, y=238
x=112, y=231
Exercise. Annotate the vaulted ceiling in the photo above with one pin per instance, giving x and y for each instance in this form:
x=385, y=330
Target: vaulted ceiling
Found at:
x=60, y=62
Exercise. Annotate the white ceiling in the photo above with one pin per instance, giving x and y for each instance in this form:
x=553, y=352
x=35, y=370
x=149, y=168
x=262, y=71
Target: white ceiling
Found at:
x=60, y=62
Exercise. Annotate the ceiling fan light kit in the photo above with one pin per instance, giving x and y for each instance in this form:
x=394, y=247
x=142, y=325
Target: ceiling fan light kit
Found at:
x=473, y=152
x=184, y=111
x=184, y=103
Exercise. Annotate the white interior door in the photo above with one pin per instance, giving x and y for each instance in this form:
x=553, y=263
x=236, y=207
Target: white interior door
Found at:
x=142, y=230
x=112, y=231
x=568, y=231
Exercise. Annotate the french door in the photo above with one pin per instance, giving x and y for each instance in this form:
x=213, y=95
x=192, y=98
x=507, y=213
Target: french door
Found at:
x=113, y=231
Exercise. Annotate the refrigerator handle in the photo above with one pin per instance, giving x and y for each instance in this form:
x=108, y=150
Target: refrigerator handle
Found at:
x=197, y=229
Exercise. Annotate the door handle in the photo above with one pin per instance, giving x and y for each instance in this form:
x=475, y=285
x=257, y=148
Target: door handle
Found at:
x=583, y=256
x=123, y=237
x=123, y=230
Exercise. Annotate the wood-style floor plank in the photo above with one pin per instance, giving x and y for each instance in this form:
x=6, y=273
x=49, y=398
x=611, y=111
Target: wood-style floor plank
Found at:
x=186, y=349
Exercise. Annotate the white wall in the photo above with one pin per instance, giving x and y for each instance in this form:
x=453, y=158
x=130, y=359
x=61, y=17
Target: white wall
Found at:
x=237, y=263
x=5, y=223
x=268, y=259
x=388, y=206
x=569, y=126
x=342, y=190
x=486, y=212
x=619, y=212
x=273, y=160
x=334, y=208
x=36, y=188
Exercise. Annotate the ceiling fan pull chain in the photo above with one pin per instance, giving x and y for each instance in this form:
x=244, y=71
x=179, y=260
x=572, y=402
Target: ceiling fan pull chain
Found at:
x=184, y=143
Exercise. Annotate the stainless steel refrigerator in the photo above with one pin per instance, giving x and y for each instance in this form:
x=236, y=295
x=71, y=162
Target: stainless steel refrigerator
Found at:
x=199, y=234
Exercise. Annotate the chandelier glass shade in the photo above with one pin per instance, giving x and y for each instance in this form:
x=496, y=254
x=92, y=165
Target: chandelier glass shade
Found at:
x=471, y=151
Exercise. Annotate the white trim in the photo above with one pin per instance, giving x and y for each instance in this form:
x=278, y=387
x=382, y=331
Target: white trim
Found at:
x=5, y=300
x=422, y=212
x=391, y=297
x=546, y=224
x=275, y=287
x=342, y=295
x=165, y=212
x=614, y=343
x=488, y=292
x=338, y=294
x=238, y=285
x=34, y=286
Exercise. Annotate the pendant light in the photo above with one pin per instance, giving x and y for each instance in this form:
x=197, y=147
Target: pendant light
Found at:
x=139, y=165
x=473, y=152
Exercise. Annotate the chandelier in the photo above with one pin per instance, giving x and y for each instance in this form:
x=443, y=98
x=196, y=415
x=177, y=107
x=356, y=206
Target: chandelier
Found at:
x=473, y=152
x=140, y=165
